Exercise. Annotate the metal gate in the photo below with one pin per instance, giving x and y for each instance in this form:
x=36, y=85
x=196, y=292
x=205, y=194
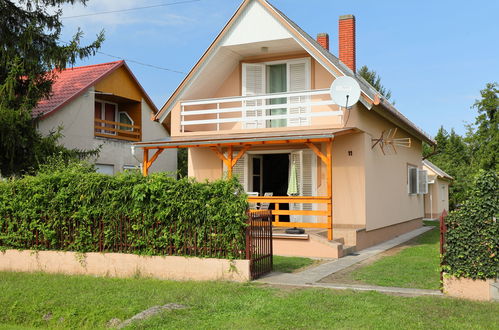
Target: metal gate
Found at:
x=259, y=242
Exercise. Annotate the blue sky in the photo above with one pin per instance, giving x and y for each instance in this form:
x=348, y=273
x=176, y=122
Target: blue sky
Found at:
x=435, y=56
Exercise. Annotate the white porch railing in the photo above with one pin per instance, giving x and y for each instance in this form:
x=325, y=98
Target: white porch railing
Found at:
x=296, y=109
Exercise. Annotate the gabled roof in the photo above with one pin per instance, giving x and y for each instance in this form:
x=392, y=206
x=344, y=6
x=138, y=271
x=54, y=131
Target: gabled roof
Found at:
x=370, y=97
x=437, y=170
x=72, y=82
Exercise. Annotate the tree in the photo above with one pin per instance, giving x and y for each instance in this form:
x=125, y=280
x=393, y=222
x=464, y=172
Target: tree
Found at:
x=483, y=137
x=31, y=54
x=374, y=79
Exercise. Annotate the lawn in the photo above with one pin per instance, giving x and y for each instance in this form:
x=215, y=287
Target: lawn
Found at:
x=89, y=302
x=291, y=264
x=413, y=267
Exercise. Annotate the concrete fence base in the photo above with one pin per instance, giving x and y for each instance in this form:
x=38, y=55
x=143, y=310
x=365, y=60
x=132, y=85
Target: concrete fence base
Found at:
x=467, y=288
x=125, y=265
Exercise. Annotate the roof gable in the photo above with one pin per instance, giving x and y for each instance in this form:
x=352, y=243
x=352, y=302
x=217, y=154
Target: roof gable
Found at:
x=369, y=96
x=255, y=24
x=434, y=168
x=72, y=82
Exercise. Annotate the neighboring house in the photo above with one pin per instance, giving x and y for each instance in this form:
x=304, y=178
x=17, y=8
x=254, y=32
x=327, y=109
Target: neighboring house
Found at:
x=437, y=199
x=103, y=105
x=257, y=105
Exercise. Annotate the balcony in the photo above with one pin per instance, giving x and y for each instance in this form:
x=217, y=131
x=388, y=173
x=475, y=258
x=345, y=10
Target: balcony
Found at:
x=116, y=130
x=289, y=109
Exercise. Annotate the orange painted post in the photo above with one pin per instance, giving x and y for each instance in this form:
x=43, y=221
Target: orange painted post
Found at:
x=145, y=162
x=329, y=190
x=229, y=157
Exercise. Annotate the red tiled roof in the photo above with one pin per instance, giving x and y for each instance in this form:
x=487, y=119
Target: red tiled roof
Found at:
x=72, y=82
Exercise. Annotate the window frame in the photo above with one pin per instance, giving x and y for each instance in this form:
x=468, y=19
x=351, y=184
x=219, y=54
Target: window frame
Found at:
x=308, y=81
x=409, y=181
x=103, y=115
x=124, y=128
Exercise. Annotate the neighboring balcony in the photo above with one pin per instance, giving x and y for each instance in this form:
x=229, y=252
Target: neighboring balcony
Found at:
x=256, y=112
x=115, y=121
x=116, y=130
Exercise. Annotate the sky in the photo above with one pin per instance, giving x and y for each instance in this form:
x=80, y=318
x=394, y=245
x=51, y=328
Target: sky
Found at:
x=435, y=56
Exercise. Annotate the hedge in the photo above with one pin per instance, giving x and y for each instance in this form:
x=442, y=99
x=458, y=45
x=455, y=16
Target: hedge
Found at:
x=83, y=211
x=472, y=238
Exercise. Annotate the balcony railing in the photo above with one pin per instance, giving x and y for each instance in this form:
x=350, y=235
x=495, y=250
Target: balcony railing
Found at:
x=116, y=130
x=257, y=111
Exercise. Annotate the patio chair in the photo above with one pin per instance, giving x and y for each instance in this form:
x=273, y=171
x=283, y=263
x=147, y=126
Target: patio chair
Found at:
x=265, y=206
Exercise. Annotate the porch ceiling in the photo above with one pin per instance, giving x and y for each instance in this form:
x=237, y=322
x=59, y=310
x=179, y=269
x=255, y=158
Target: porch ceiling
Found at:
x=243, y=139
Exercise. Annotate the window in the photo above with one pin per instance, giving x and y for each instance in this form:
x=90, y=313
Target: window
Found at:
x=104, y=169
x=124, y=118
x=412, y=175
x=417, y=180
x=130, y=168
x=272, y=78
x=443, y=193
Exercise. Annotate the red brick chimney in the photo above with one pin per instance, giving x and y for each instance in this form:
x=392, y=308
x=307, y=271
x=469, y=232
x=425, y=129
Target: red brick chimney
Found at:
x=323, y=39
x=346, y=39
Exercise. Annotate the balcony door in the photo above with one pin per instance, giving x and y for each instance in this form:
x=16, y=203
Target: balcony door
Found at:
x=106, y=111
x=274, y=78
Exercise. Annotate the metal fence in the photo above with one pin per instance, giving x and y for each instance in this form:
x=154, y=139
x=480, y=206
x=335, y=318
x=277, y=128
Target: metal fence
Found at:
x=259, y=243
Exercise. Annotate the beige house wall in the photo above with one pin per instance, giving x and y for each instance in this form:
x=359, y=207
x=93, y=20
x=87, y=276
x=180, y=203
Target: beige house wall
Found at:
x=77, y=122
x=369, y=188
x=437, y=199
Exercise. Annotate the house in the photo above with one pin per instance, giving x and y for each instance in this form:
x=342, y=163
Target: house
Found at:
x=103, y=105
x=257, y=105
x=437, y=199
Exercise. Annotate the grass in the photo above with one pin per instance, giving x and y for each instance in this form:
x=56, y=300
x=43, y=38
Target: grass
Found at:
x=414, y=267
x=89, y=302
x=290, y=264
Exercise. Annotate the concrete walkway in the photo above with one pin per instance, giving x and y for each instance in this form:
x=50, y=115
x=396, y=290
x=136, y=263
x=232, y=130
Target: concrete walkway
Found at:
x=310, y=277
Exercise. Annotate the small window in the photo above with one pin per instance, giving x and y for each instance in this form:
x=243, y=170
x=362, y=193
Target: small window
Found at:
x=124, y=118
x=417, y=182
x=104, y=169
x=412, y=179
x=130, y=168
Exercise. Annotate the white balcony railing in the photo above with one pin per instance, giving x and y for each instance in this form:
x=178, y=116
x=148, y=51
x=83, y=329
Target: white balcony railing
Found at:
x=258, y=111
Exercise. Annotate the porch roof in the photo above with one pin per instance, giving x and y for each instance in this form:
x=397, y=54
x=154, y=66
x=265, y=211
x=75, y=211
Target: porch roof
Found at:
x=244, y=139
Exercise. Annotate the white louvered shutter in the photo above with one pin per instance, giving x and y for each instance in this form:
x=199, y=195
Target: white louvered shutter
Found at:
x=253, y=83
x=240, y=170
x=305, y=162
x=422, y=182
x=295, y=158
x=298, y=81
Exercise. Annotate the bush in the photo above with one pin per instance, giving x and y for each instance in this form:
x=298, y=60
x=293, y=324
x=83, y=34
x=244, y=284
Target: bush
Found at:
x=75, y=209
x=472, y=239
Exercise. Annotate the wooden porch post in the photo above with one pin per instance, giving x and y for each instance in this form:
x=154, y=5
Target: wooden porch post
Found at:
x=229, y=158
x=230, y=161
x=145, y=161
x=329, y=146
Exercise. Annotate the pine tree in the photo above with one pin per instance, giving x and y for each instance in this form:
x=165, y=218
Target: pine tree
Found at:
x=375, y=80
x=31, y=54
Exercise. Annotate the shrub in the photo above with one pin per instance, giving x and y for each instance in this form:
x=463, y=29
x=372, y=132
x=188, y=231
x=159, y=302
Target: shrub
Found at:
x=75, y=209
x=472, y=239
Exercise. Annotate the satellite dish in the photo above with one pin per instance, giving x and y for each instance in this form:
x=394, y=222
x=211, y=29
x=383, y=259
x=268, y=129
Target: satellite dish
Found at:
x=345, y=91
